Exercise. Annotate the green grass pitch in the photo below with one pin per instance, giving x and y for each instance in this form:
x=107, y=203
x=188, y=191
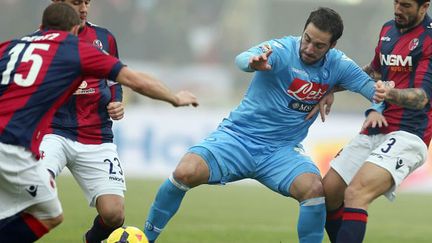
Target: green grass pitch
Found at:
x=240, y=214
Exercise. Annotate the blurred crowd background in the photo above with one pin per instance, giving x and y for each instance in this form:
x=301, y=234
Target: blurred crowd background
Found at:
x=193, y=43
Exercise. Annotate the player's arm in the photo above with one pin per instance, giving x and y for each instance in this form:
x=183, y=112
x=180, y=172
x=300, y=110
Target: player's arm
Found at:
x=255, y=59
x=115, y=108
x=153, y=88
x=412, y=98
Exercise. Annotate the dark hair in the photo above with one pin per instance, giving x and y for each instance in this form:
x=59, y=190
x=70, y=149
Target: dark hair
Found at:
x=421, y=2
x=327, y=20
x=60, y=16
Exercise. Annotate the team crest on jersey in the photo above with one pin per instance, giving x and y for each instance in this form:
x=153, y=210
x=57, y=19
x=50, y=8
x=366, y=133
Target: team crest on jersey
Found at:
x=413, y=44
x=306, y=91
x=97, y=43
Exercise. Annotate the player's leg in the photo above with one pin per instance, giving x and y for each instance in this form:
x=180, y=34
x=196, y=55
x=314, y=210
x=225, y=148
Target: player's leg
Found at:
x=205, y=163
x=190, y=172
x=98, y=171
x=293, y=174
x=370, y=182
x=398, y=155
x=29, y=207
x=334, y=191
x=343, y=168
x=54, y=151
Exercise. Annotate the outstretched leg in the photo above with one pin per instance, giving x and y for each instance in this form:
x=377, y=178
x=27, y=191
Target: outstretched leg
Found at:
x=191, y=171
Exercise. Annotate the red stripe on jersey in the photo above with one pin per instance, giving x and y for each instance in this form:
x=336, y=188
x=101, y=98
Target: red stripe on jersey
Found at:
x=89, y=122
x=16, y=97
x=355, y=216
x=35, y=225
x=376, y=63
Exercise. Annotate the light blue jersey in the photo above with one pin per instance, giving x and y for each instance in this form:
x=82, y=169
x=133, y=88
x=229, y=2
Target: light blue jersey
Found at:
x=274, y=108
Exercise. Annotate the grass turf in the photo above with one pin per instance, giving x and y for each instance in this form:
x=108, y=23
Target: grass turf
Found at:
x=239, y=214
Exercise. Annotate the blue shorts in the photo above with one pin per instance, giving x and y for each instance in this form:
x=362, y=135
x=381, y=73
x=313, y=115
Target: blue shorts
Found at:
x=232, y=157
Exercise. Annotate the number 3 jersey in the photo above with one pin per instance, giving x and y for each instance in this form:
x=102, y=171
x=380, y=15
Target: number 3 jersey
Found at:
x=84, y=117
x=39, y=72
x=405, y=58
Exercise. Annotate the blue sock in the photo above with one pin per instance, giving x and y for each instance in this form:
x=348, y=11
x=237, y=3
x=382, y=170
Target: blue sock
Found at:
x=165, y=205
x=311, y=220
x=333, y=223
x=353, y=226
x=21, y=227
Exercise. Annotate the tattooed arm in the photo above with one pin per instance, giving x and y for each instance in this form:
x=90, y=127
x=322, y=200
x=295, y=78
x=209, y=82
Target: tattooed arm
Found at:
x=412, y=98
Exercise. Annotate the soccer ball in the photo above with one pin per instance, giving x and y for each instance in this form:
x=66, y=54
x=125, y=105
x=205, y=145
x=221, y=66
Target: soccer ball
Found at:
x=127, y=234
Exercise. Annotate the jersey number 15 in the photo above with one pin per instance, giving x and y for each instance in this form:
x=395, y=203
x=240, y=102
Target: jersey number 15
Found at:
x=28, y=56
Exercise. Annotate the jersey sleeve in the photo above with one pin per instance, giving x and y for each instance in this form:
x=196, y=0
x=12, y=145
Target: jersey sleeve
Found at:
x=115, y=88
x=423, y=73
x=242, y=60
x=98, y=64
x=354, y=79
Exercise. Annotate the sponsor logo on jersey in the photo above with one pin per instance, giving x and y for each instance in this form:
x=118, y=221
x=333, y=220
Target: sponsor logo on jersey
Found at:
x=306, y=91
x=97, y=43
x=82, y=89
x=397, y=63
x=299, y=106
x=429, y=26
x=385, y=38
x=413, y=44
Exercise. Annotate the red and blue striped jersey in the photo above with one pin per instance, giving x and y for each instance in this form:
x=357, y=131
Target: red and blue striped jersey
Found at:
x=84, y=117
x=405, y=58
x=39, y=72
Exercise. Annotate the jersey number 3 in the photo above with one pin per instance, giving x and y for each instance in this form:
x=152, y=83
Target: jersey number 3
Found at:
x=28, y=56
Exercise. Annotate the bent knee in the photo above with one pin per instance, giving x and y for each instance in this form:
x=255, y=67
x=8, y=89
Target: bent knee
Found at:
x=192, y=171
x=113, y=218
x=307, y=187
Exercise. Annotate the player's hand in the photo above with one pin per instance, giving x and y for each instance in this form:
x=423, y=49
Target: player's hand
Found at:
x=115, y=110
x=260, y=63
x=382, y=88
x=373, y=120
x=323, y=106
x=185, y=98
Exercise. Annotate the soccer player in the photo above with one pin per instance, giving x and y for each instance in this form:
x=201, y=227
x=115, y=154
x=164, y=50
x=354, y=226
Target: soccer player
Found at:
x=261, y=138
x=395, y=143
x=40, y=72
x=80, y=136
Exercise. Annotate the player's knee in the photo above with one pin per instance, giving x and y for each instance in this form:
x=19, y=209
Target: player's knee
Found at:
x=315, y=190
x=191, y=173
x=307, y=189
x=113, y=218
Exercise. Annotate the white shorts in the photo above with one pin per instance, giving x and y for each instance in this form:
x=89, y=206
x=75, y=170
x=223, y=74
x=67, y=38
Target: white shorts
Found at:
x=400, y=153
x=25, y=182
x=96, y=167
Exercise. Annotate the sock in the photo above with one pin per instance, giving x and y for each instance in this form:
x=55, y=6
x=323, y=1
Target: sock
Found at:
x=165, y=205
x=22, y=227
x=99, y=231
x=333, y=223
x=353, y=226
x=311, y=220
